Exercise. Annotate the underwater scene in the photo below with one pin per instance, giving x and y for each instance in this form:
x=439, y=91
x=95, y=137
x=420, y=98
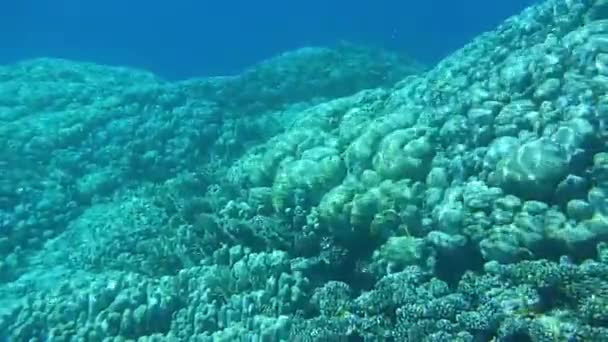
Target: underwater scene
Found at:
x=343, y=193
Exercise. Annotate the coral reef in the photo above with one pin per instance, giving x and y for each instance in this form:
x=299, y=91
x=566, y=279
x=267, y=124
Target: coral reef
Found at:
x=324, y=195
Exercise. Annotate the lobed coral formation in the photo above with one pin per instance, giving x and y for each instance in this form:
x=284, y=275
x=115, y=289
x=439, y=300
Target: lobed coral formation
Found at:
x=465, y=203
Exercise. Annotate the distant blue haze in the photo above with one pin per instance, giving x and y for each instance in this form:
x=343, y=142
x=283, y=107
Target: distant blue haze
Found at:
x=185, y=38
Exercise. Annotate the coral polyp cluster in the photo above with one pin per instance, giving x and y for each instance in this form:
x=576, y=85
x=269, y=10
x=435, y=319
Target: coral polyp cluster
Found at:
x=326, y=194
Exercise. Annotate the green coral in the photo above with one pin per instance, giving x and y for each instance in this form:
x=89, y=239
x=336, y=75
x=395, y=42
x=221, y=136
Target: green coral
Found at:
x=404, y=153
x=305, y=181
x=534, y=169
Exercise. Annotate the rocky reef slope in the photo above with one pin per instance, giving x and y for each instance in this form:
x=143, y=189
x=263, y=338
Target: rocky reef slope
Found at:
x=325, y=195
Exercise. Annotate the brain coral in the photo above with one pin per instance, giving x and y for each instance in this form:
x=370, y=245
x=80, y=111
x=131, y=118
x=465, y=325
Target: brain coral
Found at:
x=405, y=153
x=304, y=181
x=534, y=169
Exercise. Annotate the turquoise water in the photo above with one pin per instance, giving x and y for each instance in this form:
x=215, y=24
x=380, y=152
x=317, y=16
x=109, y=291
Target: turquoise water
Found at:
x=340, y=192
x=188, y=38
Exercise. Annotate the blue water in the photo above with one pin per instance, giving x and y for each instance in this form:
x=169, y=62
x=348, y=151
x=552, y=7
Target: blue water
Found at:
x=346, y=190
x=185, y=38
